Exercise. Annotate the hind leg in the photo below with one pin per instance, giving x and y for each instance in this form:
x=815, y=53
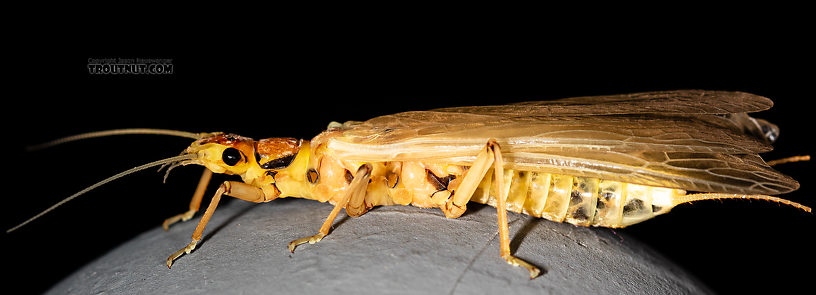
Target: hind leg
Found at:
x=501, y=209
x=456, y=205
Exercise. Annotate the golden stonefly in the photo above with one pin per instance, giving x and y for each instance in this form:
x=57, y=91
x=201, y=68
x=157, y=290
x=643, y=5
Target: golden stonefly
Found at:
x=608, y=161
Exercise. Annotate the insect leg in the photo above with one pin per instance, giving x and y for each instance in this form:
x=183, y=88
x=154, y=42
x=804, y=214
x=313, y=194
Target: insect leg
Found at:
x=356, y=190
x=457, y=204
x=356, y=203
x=195, y=203
x=235, y=189
x=501, y=208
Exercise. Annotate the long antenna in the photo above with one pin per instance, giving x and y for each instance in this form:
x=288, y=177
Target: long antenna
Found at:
x=114, y=132
x=109, y=179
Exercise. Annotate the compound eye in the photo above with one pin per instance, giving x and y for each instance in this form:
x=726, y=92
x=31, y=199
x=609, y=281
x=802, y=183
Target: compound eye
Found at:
x=231, y=156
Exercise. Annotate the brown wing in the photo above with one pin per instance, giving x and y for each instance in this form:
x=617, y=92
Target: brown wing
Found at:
x=626, y=140
x=541, y=133
x=703, y=172
x=658, y=102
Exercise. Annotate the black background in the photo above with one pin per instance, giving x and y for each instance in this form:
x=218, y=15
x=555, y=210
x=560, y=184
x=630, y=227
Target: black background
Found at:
x=262, y=80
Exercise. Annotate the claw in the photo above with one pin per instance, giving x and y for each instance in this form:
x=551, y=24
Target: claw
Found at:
x=177, y=254
x=311, y=240
x=181, y=217
x=534, y=271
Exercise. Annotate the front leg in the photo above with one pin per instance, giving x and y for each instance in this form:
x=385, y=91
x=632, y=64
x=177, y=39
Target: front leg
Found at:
x=235, y=189
x=195, y=203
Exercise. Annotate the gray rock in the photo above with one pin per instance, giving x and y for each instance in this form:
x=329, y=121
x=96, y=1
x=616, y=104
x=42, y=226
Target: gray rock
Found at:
x=395, y=249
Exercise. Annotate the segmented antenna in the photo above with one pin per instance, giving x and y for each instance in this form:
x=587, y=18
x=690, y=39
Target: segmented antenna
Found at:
x=109, y=179
x=174, y=160
x=115, y=132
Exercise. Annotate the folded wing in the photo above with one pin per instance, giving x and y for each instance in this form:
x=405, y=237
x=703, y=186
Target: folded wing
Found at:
x=679, y=139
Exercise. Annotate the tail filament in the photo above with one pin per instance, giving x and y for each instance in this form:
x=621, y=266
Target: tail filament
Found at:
x=715, y=196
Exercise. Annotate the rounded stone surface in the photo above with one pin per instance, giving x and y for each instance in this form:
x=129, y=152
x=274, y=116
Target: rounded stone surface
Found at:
x=395, y=249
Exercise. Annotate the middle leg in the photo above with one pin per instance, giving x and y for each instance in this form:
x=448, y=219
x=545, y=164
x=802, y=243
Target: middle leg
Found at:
x=355, y=190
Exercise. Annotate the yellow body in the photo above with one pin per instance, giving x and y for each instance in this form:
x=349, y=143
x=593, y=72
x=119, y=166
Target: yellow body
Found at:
x=602, y=161
x=562, y=198
x=608, y=161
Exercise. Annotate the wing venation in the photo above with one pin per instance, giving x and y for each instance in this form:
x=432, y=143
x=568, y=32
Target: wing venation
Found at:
x=687, y=139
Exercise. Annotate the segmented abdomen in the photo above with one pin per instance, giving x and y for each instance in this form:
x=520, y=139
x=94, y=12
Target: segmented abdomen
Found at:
x=579, y=200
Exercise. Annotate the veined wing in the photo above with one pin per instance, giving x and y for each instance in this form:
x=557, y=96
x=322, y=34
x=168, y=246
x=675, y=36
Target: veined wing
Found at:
x=709, y=106
x=418, y=130
x=623, y=147
x=704, y=172
x=657, y=102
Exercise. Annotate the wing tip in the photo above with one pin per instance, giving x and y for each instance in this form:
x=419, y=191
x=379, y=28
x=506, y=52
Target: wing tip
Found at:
x=761, y=103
